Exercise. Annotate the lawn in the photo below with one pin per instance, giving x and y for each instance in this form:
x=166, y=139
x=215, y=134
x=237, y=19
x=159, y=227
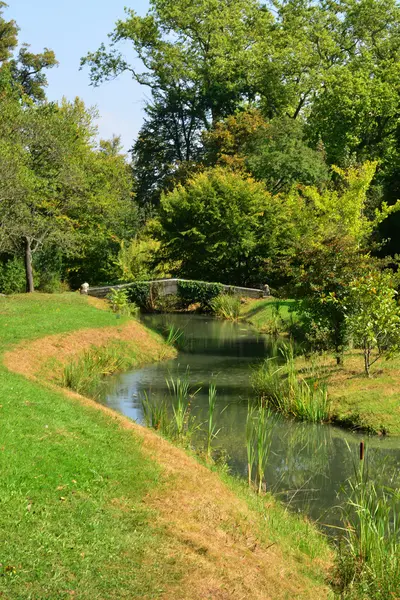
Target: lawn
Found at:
x=260, y=313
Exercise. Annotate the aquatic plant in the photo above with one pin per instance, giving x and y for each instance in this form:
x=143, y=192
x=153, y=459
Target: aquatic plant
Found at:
x=226, y=306
x=284, y=388
x=250, y=430
x=155, y=414
x=369, y=553
x=184, y=423
x=87, y=373
x=260, y=425
x=212, y=430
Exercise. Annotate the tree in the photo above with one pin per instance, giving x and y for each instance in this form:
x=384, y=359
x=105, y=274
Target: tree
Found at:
x=23, y=74
x=214, y=227
x=274, y=151
x=373, y=315
x=57, y=190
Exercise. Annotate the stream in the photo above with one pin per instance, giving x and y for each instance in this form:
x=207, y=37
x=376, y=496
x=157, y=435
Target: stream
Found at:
x=308, y=465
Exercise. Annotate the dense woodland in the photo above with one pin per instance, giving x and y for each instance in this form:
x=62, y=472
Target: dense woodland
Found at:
x=269, y=153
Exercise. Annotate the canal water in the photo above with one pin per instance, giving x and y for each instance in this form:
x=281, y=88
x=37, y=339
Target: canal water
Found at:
x=309, y=464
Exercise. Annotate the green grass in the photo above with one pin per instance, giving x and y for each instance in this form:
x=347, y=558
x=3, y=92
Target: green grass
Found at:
x=263, y=314
x=369, y=555
x=370, y=404
x=72, y=516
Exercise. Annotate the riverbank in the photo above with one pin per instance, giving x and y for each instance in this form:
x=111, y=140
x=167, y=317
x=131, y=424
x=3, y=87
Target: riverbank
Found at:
x=370, y=404
x=94, y=506
x=268, y=314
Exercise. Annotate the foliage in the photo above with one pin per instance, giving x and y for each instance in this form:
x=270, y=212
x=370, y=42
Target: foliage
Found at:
x=135, y=260
x=294, y=394
x=368, y=560
x=119, y=300
x=201, y=292
x=212, y=431
x=12, y=276
x=226, y=306
x=373, y=315
x=274, y=151
x=215, y=227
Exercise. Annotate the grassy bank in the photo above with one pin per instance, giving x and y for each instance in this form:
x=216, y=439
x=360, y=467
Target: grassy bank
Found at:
x=357, y=401
x=269, y=315
x=93, y=506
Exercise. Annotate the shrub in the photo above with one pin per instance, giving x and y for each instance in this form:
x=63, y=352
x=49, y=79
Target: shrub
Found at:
x=193, y=292
x=12, y=276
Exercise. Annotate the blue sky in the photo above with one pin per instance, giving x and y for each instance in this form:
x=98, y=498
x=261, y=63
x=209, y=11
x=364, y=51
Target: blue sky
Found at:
x=72, y=28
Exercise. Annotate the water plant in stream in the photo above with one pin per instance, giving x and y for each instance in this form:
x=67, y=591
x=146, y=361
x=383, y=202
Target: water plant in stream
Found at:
x=293, y=393
x=184, y=423
x=212, y=430
x=369, y=552
x=155, y=414
x=260, y=424
x=226, y=306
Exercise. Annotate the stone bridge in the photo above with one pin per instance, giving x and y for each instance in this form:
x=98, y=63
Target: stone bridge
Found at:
x=170, y=286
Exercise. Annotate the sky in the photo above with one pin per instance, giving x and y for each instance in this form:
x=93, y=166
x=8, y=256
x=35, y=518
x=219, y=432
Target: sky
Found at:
x=72, y=28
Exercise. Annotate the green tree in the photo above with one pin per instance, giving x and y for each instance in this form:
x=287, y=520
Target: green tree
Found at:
x=56, y=189
x=214, y=227
x=374, y=316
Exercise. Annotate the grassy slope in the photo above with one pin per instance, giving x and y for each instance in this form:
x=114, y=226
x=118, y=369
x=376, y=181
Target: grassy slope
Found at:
x=74, y=519
x=259, y=312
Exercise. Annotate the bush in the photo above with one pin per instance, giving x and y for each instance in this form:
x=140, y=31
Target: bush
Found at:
x=12, y=276
x=193, y=292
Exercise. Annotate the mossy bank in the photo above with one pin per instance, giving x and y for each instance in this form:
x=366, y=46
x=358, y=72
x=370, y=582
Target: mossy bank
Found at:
x=94, y=506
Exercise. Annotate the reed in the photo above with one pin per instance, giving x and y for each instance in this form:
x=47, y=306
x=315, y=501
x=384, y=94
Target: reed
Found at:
x=184, y=423
x=290, y=392
x=155, y=414
x=174, y=336
x=87, y=374
x=260, y=425
x=212, y=431
x=369, y=555
x=226, y=307
x=250, y=445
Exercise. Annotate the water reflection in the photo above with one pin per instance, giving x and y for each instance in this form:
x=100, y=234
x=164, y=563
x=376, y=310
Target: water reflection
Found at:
x=308, y=464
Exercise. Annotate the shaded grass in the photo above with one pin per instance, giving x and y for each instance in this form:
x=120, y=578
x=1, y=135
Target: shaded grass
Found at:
x=262, y=313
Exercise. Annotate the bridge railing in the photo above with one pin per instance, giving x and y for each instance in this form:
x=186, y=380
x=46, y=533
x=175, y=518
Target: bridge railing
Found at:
x=170, y=286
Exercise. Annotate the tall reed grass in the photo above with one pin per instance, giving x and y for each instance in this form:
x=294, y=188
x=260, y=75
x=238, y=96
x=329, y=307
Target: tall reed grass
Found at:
x=226, y=306
x=184, y=423
x=260, y=425
x=87, y=374
x=369, y=554
x=212, y=431
x=155, y=414
x=290, y=392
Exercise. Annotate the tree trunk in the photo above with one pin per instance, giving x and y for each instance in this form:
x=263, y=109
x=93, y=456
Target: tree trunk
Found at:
x=28, y=266
x=367, y=358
